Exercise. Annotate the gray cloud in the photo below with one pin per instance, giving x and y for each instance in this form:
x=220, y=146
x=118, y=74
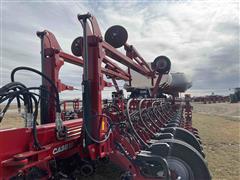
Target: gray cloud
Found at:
x=201, y=38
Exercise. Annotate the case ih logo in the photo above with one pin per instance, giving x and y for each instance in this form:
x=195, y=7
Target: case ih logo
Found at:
x=62, y=148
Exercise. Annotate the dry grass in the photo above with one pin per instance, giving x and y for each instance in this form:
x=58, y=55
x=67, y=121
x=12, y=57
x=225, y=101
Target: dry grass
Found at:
x=221, y=140
x=220, y=136
x=227, y=110
x=12, y=120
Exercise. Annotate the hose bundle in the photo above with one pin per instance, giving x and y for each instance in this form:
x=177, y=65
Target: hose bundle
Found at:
x=24, y=94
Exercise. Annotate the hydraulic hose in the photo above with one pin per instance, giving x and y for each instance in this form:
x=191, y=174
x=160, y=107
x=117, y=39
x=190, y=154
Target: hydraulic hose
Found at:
x=58, y=108
x=132, y=126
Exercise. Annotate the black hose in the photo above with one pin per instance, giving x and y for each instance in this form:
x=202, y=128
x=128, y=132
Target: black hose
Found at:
x=13, y=86
x=141, y=118
x=4, y=92
x=28, y=98
x=21, y=91
x=108, y=133
x=58, y=108
x=35, y=114
x=132, y=126
x=13, y=95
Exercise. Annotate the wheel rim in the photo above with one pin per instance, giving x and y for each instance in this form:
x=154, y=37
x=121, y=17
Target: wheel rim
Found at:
x=86, y=170
x=180, y=169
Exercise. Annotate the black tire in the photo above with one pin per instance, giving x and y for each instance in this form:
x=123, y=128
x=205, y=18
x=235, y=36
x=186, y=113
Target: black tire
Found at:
x=185, y=136
x=116, y=36
x=191, y=157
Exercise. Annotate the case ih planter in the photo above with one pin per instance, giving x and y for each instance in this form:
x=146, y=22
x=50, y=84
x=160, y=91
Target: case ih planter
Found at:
x=149, y=137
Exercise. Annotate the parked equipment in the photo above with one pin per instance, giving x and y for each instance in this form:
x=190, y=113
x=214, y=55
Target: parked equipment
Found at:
x=211, y=99
x=235, y=97
x=150, y=138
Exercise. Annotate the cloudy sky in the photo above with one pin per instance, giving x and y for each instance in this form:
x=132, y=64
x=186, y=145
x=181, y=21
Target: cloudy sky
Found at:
x=200, y=37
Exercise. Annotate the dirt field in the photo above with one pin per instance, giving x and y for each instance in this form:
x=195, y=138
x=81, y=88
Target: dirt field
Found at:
x=226, y=110
x=219, y=128
x=220, y=137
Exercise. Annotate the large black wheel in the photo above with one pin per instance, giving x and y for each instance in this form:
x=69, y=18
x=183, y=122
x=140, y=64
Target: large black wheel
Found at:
x=116, y=36
x=152, y=165
x=77, y=46
x=184, y=161
x=185, y=136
